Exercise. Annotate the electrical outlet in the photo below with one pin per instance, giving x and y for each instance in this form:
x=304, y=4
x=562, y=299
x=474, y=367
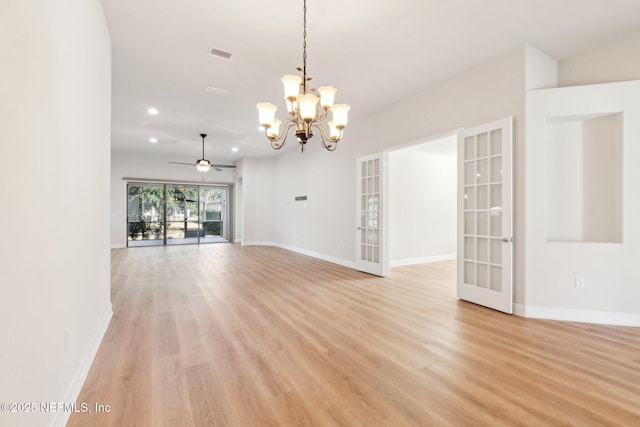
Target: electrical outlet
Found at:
x=579, y=282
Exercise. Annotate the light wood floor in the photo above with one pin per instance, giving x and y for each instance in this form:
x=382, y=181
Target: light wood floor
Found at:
x=220, y=335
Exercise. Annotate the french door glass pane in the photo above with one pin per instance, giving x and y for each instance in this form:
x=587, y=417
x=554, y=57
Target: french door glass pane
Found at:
x=496, y=251
x=469, y=273
x=482, y=275
x=496, y=142
x=496, y=169
x=483, y=148
x=481, y=250
x=482, y=171
x=469, y=223
x=370, y=211
x=469, y=198
x=483, y=226
x=469, y=148
x=496, y=278
x=483, y=196
x=469, y=173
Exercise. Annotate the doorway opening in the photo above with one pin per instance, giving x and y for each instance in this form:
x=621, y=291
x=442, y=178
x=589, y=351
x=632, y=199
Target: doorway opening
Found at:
x=422, y=201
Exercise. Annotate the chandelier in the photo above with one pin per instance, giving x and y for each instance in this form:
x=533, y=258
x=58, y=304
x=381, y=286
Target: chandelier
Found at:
x=302, y=104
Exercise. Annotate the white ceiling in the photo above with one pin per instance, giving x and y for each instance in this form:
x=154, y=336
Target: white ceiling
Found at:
x=374, y=52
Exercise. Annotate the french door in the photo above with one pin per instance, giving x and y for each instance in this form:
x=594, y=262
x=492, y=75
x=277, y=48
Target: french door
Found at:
x=369, y=212
x=485, y=216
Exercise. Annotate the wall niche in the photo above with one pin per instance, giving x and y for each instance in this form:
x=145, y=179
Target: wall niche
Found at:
x=583, y=178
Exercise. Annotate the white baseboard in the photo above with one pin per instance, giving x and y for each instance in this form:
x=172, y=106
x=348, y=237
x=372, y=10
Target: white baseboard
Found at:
x=259, y=244
x=412, y=261
x=519, y=310
x=328, y=258
x=575, y=315
x=61, y=418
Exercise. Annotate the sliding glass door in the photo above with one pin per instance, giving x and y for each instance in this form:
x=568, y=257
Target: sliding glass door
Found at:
x=145, y=214
x=213, y=214
x=176, y=214
x=182, y=214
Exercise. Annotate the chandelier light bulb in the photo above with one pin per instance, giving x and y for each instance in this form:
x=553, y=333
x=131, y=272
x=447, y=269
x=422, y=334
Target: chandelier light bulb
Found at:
x=340, y=115
x=308, y=103
x=327, y=96
x=334, y=132
x=274, y=130
x=291, y=85
x=292, y=106
x=266, y=113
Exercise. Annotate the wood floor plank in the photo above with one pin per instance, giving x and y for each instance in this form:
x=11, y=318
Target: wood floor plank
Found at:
x=224, y=335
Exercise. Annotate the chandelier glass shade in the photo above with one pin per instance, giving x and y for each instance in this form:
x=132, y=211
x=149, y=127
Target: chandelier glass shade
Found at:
x=308, y=109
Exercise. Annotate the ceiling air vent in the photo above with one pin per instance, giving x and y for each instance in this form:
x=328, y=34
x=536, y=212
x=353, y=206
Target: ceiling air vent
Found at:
x=220, y=53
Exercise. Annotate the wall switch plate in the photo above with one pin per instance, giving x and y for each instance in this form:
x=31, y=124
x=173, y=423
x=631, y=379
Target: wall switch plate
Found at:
x=579, y=282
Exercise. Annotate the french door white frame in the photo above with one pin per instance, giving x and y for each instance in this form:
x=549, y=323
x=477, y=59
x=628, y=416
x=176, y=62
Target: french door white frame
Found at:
x=485, y=218
x=370, y=214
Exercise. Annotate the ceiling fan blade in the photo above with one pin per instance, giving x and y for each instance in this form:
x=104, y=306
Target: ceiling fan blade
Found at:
x=180, y=163
x=216, y=168
x=223, y=166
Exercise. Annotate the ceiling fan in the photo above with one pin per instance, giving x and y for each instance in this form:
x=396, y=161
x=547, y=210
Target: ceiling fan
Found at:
x=203, y=165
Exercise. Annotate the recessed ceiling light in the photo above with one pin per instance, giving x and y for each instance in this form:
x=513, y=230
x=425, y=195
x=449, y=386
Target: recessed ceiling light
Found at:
x=153, y=140
x=234, y=149
x=152, y=111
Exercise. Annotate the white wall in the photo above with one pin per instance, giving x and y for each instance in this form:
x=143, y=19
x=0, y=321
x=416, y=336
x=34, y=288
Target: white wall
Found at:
x=259, y=211
x=615, y=61
x=563, y=178
x=238, y=211
x=324, y=224
x=602, y=158
x=127, y=165
x=611, y=283
x=485, y=93
x=55, y=90
x=422, y=202
x=612, y=279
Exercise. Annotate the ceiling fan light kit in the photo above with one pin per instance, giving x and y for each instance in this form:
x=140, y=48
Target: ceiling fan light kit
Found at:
x=203, y=165
x=302, y=105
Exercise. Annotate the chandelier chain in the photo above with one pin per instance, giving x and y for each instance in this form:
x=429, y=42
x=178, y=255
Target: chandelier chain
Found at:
x=304, y=49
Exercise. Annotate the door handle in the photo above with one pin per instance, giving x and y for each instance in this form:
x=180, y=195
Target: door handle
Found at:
x=507, y=239
x=359, y=228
